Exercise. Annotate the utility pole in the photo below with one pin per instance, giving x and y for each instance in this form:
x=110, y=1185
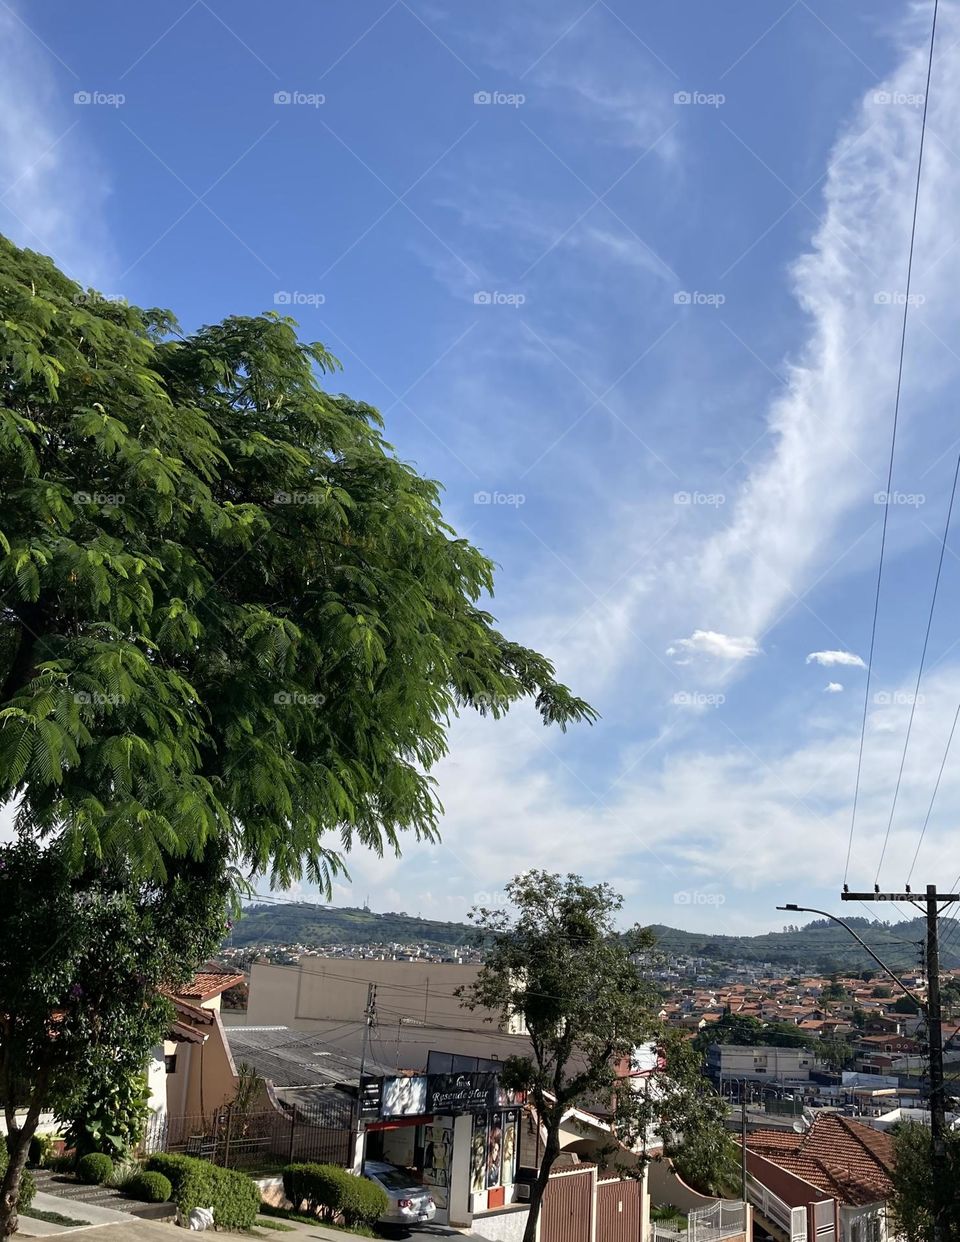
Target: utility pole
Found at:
x=743, y=1141
x=932, y=1013
x=369, y=1017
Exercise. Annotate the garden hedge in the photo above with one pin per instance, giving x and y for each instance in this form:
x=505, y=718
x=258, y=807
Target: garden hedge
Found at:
x=332, y=1192
x=234, y=1197
x=149, y=1187
x=94, y=1168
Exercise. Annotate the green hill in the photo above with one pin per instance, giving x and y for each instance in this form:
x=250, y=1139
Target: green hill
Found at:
x=818, y=946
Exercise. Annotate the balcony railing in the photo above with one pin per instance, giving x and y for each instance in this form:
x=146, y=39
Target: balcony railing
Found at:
x=792, y=1220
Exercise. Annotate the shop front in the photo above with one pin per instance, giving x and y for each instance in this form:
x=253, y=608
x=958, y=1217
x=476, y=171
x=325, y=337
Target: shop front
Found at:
x=458, y=1133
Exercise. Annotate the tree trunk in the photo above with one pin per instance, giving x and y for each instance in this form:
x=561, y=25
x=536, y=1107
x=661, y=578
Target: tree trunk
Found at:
x=19, y=1147
x=550, y=1153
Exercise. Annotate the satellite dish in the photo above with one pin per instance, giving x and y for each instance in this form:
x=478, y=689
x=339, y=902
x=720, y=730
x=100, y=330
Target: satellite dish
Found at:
x=799, y=1127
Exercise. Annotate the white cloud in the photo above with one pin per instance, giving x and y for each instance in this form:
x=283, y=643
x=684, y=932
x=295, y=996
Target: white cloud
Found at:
x=710, y=643
x=829, y=658
x=833, y=687
x=53, y=190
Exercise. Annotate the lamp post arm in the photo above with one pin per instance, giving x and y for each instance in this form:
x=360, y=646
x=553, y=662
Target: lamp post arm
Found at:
x=846, y=927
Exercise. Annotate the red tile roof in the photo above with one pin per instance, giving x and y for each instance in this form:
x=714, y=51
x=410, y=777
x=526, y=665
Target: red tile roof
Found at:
x=842, y=1157
x=206, y=985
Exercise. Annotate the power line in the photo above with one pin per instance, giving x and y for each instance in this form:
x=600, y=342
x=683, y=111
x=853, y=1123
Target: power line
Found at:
x=893, y=442
x=916, y=691
x=933, y=797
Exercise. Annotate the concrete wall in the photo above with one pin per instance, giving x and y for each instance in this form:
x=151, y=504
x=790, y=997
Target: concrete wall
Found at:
x=419, y=1010
x=212, y=1075
x=505, y=1226
x=668, y=1189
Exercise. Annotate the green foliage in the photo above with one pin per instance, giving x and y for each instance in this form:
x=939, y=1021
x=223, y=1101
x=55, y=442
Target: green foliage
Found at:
x=231, y=612
x=28, y=1187
x=692, y=1121
x=334, y=1193
x=149, y=1187
x=735, y=1028
x=917, y=1193
x=234, y=1197
x=94, y=1168
x=41, y=1149
x=111, y=1115
x=95, y=948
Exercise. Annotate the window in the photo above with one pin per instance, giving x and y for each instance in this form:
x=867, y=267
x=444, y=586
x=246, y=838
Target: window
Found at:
x=170, y=1063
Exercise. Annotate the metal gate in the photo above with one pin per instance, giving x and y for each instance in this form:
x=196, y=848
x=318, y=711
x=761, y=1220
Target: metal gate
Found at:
x=618, y=1210
x=567, y=1209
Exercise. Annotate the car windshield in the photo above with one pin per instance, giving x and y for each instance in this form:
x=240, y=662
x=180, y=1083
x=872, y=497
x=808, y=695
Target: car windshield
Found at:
x=394, y=1179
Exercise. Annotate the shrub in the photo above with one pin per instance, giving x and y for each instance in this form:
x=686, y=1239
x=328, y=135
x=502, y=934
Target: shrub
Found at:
x=150, y=1187
x=94, y=1168
x=28, y=1187
x=333, y=1192
x=41, y=1149
x=234, y=1197
x=191, y=1180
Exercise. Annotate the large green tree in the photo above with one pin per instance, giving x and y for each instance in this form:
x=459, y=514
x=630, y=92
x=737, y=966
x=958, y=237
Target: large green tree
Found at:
x=227, y=609
x=555, y=959
x=233, y=623
x=85, y=959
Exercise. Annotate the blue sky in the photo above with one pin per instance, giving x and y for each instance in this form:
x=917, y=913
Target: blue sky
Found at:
x=626, y=279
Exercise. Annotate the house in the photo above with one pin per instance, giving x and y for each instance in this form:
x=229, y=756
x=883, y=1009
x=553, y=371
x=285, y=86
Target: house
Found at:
x=829, y=1183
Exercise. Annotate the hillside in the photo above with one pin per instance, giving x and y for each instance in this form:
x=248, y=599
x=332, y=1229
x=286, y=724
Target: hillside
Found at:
x=819, y=945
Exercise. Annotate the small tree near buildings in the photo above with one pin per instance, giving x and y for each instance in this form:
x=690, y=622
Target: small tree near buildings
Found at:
x=555, y=959
x=84, y=957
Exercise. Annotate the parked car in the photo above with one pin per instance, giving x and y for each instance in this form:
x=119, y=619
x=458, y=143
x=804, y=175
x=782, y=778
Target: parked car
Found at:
x=410, y=1202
